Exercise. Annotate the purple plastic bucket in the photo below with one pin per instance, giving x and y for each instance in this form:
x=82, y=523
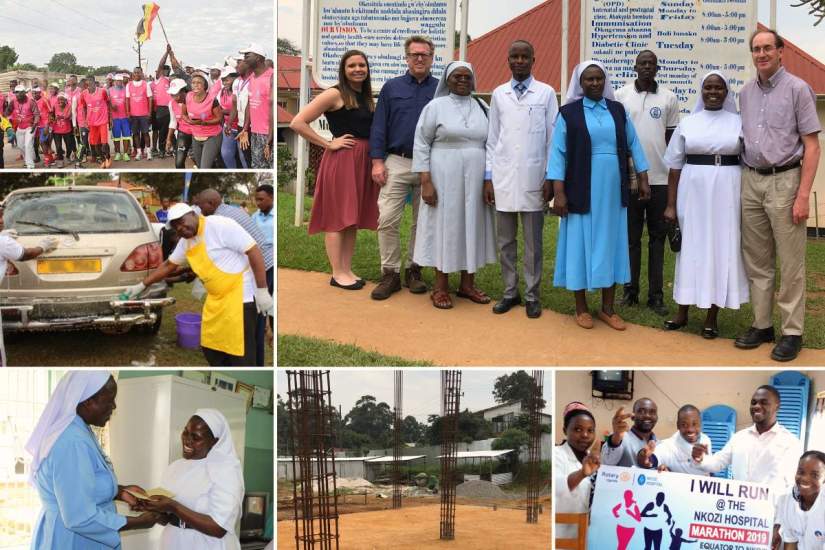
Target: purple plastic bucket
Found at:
x=189, y=330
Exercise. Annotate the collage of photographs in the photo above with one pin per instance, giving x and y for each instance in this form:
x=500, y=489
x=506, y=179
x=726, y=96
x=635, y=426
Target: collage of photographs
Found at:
x=550, y=275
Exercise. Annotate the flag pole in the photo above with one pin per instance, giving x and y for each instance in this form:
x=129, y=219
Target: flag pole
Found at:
x=161, y=28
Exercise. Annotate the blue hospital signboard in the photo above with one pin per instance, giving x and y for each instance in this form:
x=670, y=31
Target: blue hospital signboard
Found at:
x=689, y=37
x=634, y=508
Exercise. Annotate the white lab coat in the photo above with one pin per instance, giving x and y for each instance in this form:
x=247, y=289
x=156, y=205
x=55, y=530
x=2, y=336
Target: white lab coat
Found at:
x=518, y=142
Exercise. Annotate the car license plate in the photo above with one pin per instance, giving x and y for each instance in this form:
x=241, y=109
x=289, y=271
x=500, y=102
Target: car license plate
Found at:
x=79, y=265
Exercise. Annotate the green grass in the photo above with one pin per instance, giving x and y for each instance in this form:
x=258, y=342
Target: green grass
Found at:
x=298, y=250
x=93, y=348
x=298, y=351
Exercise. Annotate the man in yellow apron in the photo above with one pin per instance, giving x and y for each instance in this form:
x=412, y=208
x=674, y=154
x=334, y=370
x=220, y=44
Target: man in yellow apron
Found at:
x=231, y=267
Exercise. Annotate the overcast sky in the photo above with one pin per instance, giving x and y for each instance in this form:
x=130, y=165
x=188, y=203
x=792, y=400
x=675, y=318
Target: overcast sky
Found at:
x=485, y=15
x=422, y=388
x=102, y=32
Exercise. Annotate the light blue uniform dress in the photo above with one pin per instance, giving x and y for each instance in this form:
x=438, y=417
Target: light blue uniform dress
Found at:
x=77, y=487
x=592, y=248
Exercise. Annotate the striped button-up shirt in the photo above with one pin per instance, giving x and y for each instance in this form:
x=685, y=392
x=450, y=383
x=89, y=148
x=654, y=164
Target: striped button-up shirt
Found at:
x=245, y=221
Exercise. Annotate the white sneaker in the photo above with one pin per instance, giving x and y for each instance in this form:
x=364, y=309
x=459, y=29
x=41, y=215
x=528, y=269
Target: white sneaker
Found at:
x=148, y=154
x=137, y=155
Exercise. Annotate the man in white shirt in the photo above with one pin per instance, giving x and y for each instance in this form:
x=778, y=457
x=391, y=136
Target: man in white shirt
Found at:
x=764, y=453
x=522, y=116
x=654, y=111
x=623, y=446
x=674, y=453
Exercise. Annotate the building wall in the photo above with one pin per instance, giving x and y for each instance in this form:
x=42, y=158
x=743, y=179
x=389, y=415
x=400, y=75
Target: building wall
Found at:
x=514, y=408
x=819, y=181
x=670, y=390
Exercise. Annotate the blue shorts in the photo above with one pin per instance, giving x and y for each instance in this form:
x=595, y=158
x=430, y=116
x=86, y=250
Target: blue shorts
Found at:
x=121, y=128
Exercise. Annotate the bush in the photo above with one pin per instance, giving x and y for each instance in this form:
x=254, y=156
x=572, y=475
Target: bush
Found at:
x=287, y=168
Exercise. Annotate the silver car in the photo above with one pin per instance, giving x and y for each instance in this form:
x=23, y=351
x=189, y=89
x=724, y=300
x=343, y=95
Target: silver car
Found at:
x=106, y=244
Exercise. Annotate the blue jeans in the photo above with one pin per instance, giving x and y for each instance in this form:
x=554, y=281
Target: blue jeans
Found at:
x=229, y=149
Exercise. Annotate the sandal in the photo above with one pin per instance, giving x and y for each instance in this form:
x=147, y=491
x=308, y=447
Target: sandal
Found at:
x=441, y=299
x=584, y=320
x=474, y=295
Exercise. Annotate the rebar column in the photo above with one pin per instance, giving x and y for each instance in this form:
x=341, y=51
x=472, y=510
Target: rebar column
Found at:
x=450, y=395
x=397, y=440
x=315, y=501
x=535, y=403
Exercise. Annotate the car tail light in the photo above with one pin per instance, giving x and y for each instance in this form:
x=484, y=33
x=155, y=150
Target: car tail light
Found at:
x=146, y=256
x=11, y=269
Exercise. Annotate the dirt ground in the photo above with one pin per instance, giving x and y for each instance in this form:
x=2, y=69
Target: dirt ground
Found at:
x=417, y=528
x=10, y=156
x=408, y=326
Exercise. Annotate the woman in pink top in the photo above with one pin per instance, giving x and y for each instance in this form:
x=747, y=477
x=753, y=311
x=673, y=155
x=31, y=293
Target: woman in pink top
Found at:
x=62, y=128
x=229, y=104
x=179, y=137
x=204, y=114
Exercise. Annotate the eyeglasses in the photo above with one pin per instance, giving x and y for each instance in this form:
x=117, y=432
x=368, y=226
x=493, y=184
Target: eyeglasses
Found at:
x=763, y=49
x=421, y=56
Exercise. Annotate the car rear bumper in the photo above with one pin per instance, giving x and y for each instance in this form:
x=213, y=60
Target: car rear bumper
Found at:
x=109, y=314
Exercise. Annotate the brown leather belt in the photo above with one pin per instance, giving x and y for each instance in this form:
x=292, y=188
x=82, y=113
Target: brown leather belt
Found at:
x=776, y=169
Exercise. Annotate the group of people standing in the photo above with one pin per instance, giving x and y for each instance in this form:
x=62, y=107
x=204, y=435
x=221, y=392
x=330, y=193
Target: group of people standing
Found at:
x=765, y=452
x=220, y=116
x=610, y=162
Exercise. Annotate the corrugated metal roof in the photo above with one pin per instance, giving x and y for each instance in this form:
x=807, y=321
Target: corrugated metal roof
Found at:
x=391, y=459
x=284, y=116
x=541, y=26
x=480, y=454
x=289, y=73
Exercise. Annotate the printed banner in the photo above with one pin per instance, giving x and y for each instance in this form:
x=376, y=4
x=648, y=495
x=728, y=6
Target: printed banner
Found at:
x=689, y=37
x=379, y=28
x=635, y=509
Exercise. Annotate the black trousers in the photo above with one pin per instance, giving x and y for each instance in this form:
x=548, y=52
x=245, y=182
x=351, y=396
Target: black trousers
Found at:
x=653, y=212
x=653, y=539
x=68, y=140
x=217, y=358
x=183, y=143
x=160, y=124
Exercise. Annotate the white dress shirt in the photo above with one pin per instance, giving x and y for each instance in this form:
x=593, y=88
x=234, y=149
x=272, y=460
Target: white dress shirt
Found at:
x=769, y=458
x=675, y=453
x=576, y=501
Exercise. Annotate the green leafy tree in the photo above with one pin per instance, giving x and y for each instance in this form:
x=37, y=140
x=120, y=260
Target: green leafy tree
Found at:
x=8, y=57
x=26, y=67
x=514, y=438
x=170, y=184
x=282, y=417
x=64, y=62
x=372, y=419
x=471, y=427
x=287, y=47
x=517, y=386
x=411, y=429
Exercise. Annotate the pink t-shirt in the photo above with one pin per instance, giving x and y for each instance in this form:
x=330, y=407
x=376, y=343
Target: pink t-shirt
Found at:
x=97, y=108
x=225, y=99
x=23, y=113
x=177, y=112
x=62, y=119
x=117, y=95
x=138, y=95
x=159, y=92
x=202, y=111
x=81, y=111
x=43, y=107
x=260, y=111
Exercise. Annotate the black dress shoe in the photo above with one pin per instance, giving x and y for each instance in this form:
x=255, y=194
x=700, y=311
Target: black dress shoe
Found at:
x=629, y=299
x=506, y=304
x=533, y=309
x=357, y=285
x=673, y=325
x=754, y=338
x=658, y=307
x=709, y=333
x=787, y=349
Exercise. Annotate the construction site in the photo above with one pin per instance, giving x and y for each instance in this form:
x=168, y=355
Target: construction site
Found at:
x=446, y=483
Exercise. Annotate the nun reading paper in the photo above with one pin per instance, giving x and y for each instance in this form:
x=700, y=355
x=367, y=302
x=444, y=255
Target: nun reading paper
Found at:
x=636, y=508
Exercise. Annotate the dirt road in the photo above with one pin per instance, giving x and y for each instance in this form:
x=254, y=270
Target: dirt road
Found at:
x=408, y=326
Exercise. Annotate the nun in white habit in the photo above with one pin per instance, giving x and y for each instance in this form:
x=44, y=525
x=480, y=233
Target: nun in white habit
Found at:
x=455, y=226
x=207, y=484
x=704, y=194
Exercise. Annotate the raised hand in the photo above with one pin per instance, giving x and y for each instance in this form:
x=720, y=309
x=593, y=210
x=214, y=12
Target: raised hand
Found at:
x=699, y=450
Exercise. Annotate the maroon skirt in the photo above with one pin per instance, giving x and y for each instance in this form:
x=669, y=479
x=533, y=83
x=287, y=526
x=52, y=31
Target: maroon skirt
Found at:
x=345, y=195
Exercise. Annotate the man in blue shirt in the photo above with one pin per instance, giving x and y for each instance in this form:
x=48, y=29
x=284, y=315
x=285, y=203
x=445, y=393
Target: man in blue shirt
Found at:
x=265, y=219
x=391, y=144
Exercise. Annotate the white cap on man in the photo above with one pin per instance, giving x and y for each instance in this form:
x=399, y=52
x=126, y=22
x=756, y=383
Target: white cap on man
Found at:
x=19, y=88
x=254, y=48
x=177, y=211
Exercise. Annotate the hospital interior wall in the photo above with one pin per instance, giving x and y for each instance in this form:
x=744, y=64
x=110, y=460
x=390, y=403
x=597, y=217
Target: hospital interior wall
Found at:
x=670, y=390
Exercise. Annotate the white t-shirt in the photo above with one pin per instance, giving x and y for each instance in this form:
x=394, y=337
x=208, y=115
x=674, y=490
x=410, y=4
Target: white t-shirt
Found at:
x=652, y=114
x=226, y=245
x=675, y=453
x=9, y=250
x=806, y=528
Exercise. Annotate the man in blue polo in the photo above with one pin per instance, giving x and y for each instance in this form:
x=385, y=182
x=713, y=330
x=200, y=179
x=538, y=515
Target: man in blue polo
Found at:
x=391, y=143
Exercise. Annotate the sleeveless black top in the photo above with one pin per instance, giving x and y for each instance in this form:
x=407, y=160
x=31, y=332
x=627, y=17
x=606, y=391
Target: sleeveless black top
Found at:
x=356, y=122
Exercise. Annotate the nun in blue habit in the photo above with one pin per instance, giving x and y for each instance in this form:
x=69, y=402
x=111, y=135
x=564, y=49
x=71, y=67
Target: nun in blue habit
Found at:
x=74, y=478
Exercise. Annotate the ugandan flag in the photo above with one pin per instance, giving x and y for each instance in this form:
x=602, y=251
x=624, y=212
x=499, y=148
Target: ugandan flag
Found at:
x=144, y=28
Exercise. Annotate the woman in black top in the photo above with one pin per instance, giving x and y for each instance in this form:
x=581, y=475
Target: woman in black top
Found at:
x=346, y=199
